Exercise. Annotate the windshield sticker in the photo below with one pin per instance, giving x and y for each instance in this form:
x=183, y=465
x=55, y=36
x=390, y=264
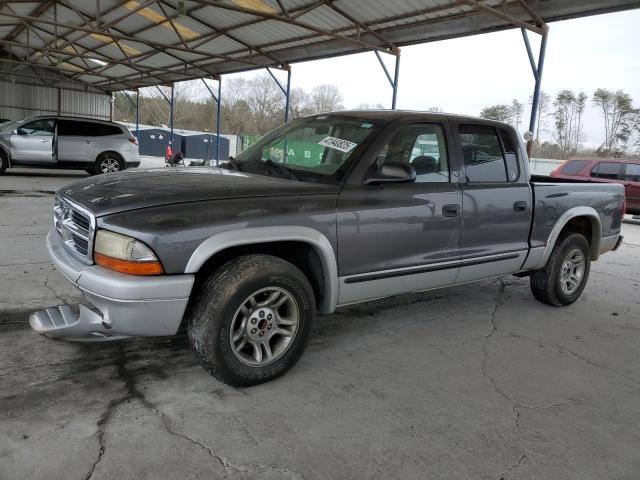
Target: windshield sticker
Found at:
x=337, y=144
x=366, y=125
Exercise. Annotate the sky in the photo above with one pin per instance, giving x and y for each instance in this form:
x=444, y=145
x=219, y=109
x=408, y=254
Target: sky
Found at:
x=467, y=74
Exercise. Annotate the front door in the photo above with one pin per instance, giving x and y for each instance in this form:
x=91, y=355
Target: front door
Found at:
x=496, y=203
x=33, y=142
x=401, y=237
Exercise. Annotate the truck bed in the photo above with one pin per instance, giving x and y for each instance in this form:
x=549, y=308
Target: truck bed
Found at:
x=553, y=196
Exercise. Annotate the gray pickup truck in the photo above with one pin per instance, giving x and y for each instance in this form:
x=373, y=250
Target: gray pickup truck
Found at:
x=325, y=211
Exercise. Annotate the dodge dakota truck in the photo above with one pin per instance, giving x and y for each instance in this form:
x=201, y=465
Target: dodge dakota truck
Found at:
x=325, y=211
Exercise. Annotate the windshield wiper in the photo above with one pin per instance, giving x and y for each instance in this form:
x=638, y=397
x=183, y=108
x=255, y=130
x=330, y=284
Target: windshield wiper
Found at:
x=288, y=171
x=233, y=164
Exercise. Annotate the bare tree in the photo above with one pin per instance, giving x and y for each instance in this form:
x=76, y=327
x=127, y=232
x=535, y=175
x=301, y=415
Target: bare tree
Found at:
x=325, y=98
x=235, y=111
x=370, y=106
x=568, y=111
x=580, y=103
x=500, y=113
x=617, y=113
x=517, y=109
x=266, y=102
x=299, y=103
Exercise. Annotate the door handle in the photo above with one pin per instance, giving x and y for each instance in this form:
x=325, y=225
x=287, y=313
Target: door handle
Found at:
x=44, y=140
x=90, y=142
x=520, y=206
x=451, y=210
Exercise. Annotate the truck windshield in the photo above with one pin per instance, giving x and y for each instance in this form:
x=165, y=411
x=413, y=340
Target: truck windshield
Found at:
x=311, y=149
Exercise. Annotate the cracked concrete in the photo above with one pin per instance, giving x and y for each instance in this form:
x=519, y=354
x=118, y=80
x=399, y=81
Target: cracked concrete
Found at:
x=479, y=381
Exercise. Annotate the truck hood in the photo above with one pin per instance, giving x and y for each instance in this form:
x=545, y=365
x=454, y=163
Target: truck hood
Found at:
x=130, y=190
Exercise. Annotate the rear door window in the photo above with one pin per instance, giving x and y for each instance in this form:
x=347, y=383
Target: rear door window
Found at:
x=608, y=170
x=573, y=167
x=482, y=153
x=632, y=172
x=69, y=128
x=105, y=130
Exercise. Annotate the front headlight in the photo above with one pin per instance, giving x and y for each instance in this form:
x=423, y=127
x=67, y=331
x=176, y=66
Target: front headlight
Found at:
x=125, y=254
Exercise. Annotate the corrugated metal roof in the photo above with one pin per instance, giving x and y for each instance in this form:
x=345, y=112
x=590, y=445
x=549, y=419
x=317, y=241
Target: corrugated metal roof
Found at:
x=147, y=42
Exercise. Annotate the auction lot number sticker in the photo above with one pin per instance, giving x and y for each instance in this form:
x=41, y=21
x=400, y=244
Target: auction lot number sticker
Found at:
x=337, y=144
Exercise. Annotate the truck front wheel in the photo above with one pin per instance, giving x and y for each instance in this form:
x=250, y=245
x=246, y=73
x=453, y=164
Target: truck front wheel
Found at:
x=251, y=319
x=565, y=275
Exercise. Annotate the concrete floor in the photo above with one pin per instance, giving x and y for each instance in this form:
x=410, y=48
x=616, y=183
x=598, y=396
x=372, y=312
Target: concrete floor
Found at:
x=478, y=382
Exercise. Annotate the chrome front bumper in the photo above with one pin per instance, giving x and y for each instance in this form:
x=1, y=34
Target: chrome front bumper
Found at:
x=125, y=305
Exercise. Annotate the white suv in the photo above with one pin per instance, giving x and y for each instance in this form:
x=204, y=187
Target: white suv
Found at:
x=67, y=142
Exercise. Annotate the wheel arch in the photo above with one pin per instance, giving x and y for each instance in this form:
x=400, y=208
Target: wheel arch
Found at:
x=222, y=246
x=583, y=220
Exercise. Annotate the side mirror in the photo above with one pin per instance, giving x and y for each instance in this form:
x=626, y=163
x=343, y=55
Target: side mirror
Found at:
x=392, y=172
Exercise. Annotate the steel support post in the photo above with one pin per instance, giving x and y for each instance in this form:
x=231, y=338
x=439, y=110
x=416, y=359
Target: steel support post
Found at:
x=396, y=75
x=285, y=90
x=138, y=115
x=396, y=78
x=537, y=75
x=287, y=96
x=136, y=106
x=218, y=105
x=217, y=100
x=171, y=120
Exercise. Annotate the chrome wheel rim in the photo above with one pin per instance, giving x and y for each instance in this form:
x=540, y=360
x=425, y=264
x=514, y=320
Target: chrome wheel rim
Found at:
x=264, y=326
x=109, y=165
x=572, y=272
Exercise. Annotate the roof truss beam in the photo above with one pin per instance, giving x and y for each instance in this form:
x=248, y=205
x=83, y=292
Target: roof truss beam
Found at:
x=476, y=4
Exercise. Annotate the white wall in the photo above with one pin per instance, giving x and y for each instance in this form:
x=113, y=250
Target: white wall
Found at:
x=18, y=100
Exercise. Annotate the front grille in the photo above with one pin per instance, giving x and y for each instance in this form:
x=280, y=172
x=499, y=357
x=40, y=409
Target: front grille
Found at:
x=76, y=227
x=81, y=220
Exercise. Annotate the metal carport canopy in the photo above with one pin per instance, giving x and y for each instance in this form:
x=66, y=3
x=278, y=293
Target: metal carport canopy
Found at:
x=117, y=45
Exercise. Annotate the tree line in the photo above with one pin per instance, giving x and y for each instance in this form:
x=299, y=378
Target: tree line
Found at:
x=253, y=106
x=620, y=123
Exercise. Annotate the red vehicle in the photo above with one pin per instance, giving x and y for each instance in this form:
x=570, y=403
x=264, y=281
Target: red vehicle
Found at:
x=606, y=170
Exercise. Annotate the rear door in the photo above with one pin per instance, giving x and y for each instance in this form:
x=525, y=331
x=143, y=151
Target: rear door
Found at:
x=496, y=204
x=608, y=172
x=76, y=141
x=33, y=142
x=632, y=186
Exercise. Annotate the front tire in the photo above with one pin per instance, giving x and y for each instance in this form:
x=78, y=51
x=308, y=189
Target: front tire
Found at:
x=251, y=320
x=565, y=275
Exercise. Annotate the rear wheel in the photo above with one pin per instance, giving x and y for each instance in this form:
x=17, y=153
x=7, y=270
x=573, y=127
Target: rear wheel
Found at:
x=565, y=275
x=251, y=320
x=4, y=162
x=108, y=163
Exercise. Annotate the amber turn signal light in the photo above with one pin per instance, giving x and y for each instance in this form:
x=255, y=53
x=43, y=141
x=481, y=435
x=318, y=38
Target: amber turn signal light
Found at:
x=125, y=266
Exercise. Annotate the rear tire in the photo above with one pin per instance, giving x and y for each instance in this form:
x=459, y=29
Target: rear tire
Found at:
x=255, y=303
x=565, y=275
x=108, y=163
x=4, y=162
